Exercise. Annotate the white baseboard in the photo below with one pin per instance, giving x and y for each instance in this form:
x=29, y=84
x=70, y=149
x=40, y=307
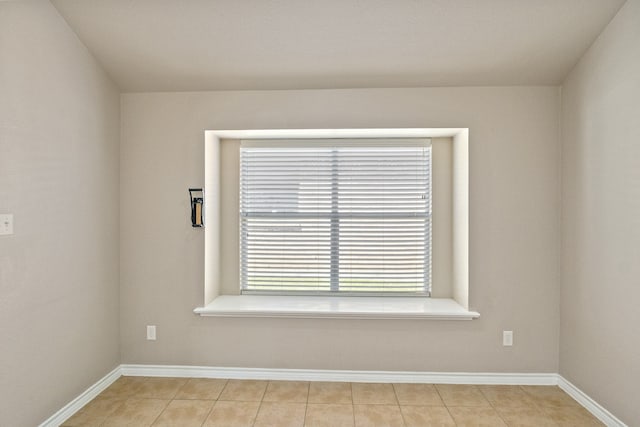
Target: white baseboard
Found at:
x=591, y=405
x=85, y=397
x=343, y=376
x=180, y=371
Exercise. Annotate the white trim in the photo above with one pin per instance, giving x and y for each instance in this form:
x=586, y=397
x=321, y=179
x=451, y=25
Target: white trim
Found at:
x=85, y=397
x=339, y=375
x=590, y=405
x=212, y=248
x=334, y=133
x=181, y=371
x=336, y=307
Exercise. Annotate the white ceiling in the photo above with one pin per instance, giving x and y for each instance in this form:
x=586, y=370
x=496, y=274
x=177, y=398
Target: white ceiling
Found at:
x=171, y=45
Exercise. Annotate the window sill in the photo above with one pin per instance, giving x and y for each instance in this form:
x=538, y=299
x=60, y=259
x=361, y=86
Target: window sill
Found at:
x=317, y=307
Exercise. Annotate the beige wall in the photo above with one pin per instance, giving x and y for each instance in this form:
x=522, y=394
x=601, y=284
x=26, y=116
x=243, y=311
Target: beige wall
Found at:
x=59, y=133
x=600, y=324
x=514, y=232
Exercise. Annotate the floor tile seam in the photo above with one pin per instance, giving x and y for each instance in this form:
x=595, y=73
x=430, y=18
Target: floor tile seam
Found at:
x=180, y=388
x=194, y=398
x=449, y=412
x=353, y=406
x=353, y=413
x=539, y=403
x=106, y=416
x=161, y=412
x=546, y=412
x=381, y=404
x=493, y=407
x=563, y=407
x=573, y=405
x=442, y=399
x=264, y=392
x=404, y=421
x=422, y=405
x=286, y=401
x=536, y=402
x=487, y=405
x=538, y=408
x=223, y=389
x=533, y=404
x=215, y=402
x=395, y=394
x=255, y=417
x=486, y=397
x=102, y=423
x=445, y=404
x=387, y=404
x=113, y=412
x=306, y=405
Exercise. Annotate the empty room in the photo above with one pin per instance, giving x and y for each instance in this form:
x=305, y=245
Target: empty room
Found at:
x=297, y=213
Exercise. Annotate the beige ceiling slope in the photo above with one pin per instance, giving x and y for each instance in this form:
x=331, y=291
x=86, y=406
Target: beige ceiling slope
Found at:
x=175, y=45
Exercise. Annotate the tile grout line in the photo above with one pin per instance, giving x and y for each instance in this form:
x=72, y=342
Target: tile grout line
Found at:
x=206, y=417
x=161, y=412
x=353, y=404
x=306, y=405
x=215, y=402
x=168, y=403
x=255, y=418
x=537, y=405
x=493, y=406
x=445, y=404
x=395, y=392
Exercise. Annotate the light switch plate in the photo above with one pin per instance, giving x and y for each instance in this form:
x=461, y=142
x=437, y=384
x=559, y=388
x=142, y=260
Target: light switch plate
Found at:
x=151, y=332
x=507, y=338
x=6, y=224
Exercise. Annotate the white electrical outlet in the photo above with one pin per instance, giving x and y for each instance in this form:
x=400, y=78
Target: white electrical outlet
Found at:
x=507, y=338
x=6, y=224
x=151, y=332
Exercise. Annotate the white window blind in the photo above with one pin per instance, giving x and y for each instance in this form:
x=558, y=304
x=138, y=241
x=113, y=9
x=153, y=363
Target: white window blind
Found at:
x=348, y=218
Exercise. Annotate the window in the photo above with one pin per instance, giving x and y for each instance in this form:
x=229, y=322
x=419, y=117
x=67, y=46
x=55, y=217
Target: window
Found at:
x=327, y=217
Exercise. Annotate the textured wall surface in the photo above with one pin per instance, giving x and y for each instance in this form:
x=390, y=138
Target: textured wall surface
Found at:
x=600, y=326
x=59, y=142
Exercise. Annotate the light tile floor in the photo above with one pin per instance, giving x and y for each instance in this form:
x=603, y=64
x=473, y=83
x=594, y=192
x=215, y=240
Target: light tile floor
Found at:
x=182, y=402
